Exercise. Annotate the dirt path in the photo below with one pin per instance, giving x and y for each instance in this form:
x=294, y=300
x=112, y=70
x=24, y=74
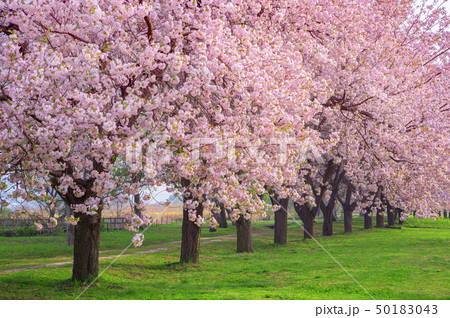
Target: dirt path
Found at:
x=205, y=240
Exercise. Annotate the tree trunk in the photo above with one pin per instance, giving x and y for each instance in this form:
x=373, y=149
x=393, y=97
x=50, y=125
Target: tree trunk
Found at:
x=348, y=207
x=445, y=213
x=222, y=218
x=244, y=235
x=70, y=229
x=137, y=200
x=229, y=217
x=334, y=217
x=190, y=232
x=308, y=226
x=52, y=212
x=86, y=246
x=328, y=209
x=348, y=216
x=328, y=214
x=307, y=216
x=327, y=228
x=379, y=218
x=190, y=238
x=137, y=197
x=280, y=234
x=368, y=220
x=319, y=214
x=390, y=215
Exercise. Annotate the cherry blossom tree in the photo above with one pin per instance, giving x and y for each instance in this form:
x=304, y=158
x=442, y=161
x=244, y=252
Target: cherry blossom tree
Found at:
x=388, y=104
x=384, y=68
x=83, y=81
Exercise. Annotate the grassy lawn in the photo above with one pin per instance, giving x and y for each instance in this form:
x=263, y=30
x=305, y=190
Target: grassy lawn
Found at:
x=411, y=263
x=36, y=250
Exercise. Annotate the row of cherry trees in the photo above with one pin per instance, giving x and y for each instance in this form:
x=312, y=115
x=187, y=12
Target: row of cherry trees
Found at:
x=293, y=96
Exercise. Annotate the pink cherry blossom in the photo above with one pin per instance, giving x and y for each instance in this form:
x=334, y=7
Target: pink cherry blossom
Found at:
x=52, y=222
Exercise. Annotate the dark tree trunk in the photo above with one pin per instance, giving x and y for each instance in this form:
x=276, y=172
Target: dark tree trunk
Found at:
x=217, y=217
x=308, y=226
x=229, y=217
x=390, y=215
x=222, y=218
x=70, y=229
x=319, y=214
x=280, y=233
x=190, y=232
x=445, y=213
x=190, y=238
x=379, y=218
x=307, y=216
x=86, y=236
x=328, y=209
x=52, y=212
x=334, y=217
x=348, y=207
x=327, y=228
x=137, y=200
x=244, y=235
x=348, y=216
x=368, y=224
x=86, y=244
x=137, y=197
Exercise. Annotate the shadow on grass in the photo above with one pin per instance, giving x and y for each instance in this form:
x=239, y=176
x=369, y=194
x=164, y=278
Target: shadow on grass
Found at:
x=38, y=287
x=165, y=267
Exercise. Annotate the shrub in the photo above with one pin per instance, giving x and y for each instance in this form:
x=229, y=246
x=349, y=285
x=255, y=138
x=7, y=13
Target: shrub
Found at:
x=439, y=223
x=20, y=231
x=31, y=231
x=3, y=230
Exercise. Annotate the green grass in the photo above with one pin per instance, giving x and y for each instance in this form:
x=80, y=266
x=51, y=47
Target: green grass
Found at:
x=411, y=263
x=16, y=252
x=427, y=223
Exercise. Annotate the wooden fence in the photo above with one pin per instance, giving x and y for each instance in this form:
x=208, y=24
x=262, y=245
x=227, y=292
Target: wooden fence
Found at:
x=26, y=227
x=9, y=226
x=112, y=224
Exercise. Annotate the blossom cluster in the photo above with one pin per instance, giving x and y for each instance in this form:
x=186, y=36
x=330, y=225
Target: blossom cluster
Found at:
x=72, y=220
x=52, y=222
x=138, y=239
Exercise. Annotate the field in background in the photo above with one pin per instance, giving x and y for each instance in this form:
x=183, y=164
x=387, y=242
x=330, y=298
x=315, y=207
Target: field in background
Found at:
x=164, y=215
x=113, y=219
x=174, y=211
